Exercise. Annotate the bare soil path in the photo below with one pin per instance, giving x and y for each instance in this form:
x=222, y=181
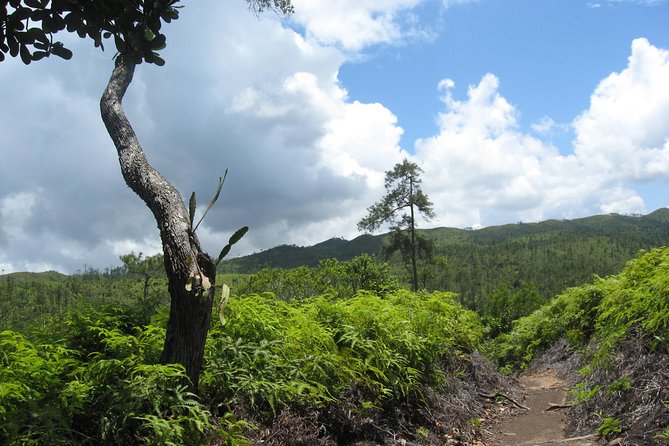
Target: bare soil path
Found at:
x=538, y=426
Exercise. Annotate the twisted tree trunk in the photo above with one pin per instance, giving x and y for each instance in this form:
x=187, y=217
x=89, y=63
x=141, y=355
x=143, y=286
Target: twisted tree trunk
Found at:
x=185, y=263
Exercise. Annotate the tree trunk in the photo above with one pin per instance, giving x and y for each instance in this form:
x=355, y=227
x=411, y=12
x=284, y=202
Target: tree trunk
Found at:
x=414, y=268
x=185, y=263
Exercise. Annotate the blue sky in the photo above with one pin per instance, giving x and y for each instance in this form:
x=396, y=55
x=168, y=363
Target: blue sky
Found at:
x=517, y=110
x=549, y=55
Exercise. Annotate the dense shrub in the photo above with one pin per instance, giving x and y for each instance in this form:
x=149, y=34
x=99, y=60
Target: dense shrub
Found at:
x=106, y=390
x=97, y=380
x=32, y=379
x=571, y=315
x=272, y=354
x=341, y=279
x=620, y=325
x=636, y=299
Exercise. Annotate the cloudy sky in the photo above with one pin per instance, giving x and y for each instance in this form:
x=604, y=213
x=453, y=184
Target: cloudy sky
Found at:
x=517, y=110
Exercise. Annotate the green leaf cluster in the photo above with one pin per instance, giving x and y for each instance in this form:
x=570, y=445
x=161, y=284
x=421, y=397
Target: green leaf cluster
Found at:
x=32, y=380
x=609, y=426
x=100, y=385
x=633, y=302
x=334, y=277
x=273, y=354
x=29, y=27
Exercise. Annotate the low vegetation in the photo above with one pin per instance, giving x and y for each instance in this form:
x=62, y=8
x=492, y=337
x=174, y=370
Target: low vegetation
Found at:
x=337, y=354
x=617, y=327
x=344, y=368
x=324, y=369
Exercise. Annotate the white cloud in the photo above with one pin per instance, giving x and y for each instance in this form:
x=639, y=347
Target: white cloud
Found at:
x=547, y=125
x=356, y=24
x=480, y=163
x=624, y=131
x=305, y=159
x=362, y=140
x=482, y=168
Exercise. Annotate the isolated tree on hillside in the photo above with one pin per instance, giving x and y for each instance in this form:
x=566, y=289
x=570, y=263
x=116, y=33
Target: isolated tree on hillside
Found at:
x=27, y=29
x=399, y=207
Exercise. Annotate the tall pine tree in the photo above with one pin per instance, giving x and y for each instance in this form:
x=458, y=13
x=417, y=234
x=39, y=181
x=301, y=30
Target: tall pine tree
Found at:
x=403, y=202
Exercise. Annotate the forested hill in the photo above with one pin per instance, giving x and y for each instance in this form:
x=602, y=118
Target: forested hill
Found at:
x=553, y=254
x=291, y=256
x=24, y=276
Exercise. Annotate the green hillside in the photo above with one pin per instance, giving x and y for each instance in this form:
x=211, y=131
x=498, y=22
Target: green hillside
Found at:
x=24, y=276
x=340, y=366
x=552, y=255
x=292, y=256
x=612, y=336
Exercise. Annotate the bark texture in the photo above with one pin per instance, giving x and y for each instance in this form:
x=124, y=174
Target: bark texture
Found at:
x=185, y=263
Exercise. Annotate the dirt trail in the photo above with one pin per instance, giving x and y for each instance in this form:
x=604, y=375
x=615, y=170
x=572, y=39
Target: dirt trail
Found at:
x=538, y=426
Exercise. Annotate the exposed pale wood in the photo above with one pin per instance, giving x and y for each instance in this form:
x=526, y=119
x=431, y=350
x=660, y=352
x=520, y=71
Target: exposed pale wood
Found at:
x=553, y=406
x=505, y=396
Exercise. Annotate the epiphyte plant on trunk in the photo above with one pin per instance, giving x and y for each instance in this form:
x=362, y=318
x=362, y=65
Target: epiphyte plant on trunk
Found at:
x=27, y=29
x=198, y=280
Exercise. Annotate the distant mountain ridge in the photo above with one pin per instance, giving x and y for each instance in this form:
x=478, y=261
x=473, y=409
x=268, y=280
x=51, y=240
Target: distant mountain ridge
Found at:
x=292, y=256
x=46, y=275
x=552, y=254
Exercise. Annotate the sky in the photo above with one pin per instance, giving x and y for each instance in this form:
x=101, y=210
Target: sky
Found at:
x=516, y=110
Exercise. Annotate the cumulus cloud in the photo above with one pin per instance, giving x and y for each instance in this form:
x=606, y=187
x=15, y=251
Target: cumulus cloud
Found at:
x=624, y=131
x=305, y=160
x=482, y=168
x=480, y=162
x=356, y=24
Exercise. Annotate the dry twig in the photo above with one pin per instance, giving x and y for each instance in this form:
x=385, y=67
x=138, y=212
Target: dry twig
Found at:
x=500, y=394
x=553, y=406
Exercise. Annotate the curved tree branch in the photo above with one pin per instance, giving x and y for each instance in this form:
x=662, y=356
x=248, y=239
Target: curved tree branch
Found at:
x=185, y=263
x=159, y=194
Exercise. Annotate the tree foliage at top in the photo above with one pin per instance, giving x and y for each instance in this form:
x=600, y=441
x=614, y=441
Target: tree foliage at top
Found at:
x=28, y=27
x=399, y=208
